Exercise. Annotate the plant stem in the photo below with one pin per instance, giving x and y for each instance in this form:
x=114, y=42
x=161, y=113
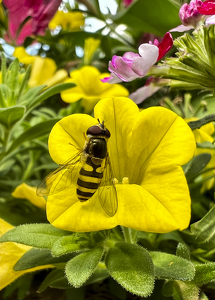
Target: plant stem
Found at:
x=130, y=235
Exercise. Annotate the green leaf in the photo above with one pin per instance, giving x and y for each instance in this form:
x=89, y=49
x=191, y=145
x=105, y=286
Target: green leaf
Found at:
x=204, y=273
x=80, y=268
x=199, y=123
x=35, y=235
x=5, y=95
x=183, y=251
x=148, y=16
x=185, y=291
x=3, y=68
x=31, y=94
x=24, y=82
x=131, y=266
x=39, y=257
x=197, y=164
x=65, y=245
x=10, y=115
x=168, y=266
x=98, y=275
x=50, y=92
x=12, y=79
x=34, y=132
x=52, y=277
x=206, y=145
x=202, y=233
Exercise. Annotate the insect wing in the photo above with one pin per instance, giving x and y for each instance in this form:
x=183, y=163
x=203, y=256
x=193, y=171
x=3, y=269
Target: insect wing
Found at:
x=62, y=177
x=107, y=193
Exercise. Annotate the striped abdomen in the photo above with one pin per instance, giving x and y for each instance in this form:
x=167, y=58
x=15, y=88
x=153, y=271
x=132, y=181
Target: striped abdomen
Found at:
x=89, y=180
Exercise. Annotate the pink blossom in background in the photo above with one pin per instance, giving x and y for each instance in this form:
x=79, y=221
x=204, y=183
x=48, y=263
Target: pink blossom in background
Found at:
x=127, y=2
x=146, y=91
x=132, y=65
x=189, y=15
x=208, y=8
x=39, y=12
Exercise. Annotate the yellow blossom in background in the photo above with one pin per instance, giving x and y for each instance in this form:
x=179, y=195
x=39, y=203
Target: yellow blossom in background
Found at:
x=146, y=151
x=10, y=253
x=68, y=21
x=44, y=69
x=90, y=89
x=204, y=135
x=90, y=46
x=25, y=191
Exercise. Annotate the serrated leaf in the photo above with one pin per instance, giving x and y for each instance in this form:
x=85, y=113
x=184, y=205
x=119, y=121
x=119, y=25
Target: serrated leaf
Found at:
x=39, y=257
x=50, y=92
x=168, y=266
x=35, y=235
x=204, y=273
x=137, y=274
x=185, y=291
x=148, y=15
x=34, y=132
x=197, y=164
x=80, y=268
x=10, y=115
x=183, y=251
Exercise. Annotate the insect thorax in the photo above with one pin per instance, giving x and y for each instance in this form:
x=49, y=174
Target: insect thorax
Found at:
x=97, y=148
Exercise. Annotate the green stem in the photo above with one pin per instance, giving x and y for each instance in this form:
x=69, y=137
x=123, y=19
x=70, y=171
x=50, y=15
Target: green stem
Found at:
x=130, y=235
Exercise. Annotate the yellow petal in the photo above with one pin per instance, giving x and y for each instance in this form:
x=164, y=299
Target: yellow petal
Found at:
x=68, y=21
x=10, y=253
x=27, y=192
x=23, y=56
x=59, y=77
x=4, y=227
x=67, y=136
x=42, y=70
x=90, y=87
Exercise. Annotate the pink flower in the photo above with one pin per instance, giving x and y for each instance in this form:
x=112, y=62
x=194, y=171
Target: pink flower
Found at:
x=39, y=13
x=127, y=2
x=146, y=91
x=132, y=65
x=208, y=8
x=189, y=15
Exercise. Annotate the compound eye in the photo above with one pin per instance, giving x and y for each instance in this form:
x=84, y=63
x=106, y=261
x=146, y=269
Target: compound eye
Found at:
x=94, y=130
x=107, y=133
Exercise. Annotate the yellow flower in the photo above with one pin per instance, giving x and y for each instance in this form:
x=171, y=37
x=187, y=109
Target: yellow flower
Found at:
x=90, y=46
x=44, y=70
x=204, y=135
x=28, y=192
x=90, y=89
x=10, y=253
x=68, y=21
x=146, y=151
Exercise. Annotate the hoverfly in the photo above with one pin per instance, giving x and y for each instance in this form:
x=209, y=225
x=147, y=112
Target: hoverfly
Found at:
x=89, y=169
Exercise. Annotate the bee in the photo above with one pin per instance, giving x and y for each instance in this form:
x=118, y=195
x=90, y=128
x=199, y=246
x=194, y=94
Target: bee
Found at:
x=89, y=169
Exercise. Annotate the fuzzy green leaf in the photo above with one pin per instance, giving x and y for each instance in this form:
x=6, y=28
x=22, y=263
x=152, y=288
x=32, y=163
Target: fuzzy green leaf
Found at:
x=10, y=115
x=65, y=245
x=35, y=235
x=80, y=268
x=204, y=273
x=34, y=132
x=183, y=251
x=53, y=276
x=137, y=274
x=168, y=266
x=185, y=291
x=31, y=94
x=39, y=257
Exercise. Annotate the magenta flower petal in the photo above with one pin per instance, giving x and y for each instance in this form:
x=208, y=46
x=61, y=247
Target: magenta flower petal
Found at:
x=165, y=45
x=207, y=8
x=189, y=13
x=122, y=70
